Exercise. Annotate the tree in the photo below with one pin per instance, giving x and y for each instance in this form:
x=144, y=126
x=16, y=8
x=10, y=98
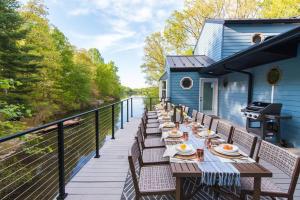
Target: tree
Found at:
x=154, y=58
x=280, y=8
x=183, y=27
x=15, y=60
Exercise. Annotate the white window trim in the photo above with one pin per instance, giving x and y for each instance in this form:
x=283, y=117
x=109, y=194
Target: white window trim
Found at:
x=185, y=87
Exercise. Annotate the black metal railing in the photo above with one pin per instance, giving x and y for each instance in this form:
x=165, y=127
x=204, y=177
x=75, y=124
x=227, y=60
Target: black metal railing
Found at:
x=37, y=163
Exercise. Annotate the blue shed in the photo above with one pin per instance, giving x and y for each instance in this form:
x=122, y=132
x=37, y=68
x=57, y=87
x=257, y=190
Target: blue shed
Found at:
x=216, y=80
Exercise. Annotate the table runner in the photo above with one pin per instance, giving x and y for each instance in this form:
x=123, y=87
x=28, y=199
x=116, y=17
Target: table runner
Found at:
x=215, y=171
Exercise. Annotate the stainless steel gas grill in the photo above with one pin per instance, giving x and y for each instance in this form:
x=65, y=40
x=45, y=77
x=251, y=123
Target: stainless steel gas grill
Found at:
x=263, y=118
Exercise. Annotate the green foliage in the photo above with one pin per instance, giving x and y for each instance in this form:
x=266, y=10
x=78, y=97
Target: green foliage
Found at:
x=41, y=73
x=154, y=58
x=16, y=62
x=14, y=112
x=34, y=145
x=280, y=8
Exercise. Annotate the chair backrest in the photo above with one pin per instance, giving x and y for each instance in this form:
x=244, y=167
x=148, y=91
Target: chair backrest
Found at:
x=194, y=115
x=143, y=128
x=140, y=138
x=284, y=160
x=225, y=130
x=244, y=139
x=186, y=109
x=207, y=121
x=135, y=165
x=200, y=117
x=214, y=124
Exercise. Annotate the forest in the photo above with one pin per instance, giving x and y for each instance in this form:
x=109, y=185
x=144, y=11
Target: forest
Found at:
x=42, y=75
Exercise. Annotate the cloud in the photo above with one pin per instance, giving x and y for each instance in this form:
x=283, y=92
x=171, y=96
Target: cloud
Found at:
x=80, y=11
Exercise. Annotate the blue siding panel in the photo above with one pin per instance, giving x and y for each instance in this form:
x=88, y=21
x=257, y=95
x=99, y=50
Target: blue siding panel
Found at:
x=187, y=97
x=210, y=41
x=287, y=91
x=237, y=37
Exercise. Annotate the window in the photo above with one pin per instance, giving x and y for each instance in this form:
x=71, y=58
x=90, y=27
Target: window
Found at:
x=164, y=89
x=257, y=38
x=186, y=83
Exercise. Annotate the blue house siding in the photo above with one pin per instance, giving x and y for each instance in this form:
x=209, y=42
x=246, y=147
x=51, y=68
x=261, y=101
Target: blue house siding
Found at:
x=233, y=97
x=189, y=97
x=210, y=41
x=287, y=92
x=237, y=37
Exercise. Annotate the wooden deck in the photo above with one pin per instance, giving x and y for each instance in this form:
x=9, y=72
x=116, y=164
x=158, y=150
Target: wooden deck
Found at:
x=104, y=178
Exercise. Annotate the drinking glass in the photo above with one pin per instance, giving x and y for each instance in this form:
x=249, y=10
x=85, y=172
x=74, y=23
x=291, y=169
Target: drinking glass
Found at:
x=200, y=154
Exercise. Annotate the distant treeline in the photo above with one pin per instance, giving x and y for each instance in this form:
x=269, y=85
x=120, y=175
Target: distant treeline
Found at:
x=42, y=74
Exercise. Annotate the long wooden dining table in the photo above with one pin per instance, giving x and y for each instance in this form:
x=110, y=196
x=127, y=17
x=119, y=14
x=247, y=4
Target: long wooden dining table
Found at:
x=185, y=170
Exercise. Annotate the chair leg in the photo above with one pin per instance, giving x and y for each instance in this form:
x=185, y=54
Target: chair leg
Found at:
x=137, y=197
x=243, y=196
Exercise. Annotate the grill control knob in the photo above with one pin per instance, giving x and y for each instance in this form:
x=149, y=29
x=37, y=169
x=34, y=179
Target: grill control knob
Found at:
x=255, y=116
x=250, y=115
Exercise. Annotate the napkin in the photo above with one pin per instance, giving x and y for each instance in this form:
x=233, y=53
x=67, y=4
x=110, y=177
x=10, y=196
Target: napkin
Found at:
x=170, y=151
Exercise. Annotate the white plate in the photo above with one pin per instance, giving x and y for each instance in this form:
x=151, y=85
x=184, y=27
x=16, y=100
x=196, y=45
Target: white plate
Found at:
x=188, y=151
x=177, y=134
x=206, y=134
x=168, y=125
x=197, y=124
x=220, y=149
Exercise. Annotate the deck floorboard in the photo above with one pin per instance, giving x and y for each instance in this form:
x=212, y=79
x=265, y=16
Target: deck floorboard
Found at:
x=104, y=178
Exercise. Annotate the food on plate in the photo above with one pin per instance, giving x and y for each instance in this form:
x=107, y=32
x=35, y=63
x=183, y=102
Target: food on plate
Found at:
x=183, y=146
x=174, y=130
x=228, y=147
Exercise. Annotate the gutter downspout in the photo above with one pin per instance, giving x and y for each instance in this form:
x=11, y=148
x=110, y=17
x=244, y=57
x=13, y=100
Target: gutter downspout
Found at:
x=250, y=82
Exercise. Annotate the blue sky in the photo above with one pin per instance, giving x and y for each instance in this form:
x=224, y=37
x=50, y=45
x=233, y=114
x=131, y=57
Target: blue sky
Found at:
x=116, y=27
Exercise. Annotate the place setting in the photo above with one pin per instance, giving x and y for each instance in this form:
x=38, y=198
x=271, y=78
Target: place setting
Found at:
x=174, y=135
x=230, y=152
x=184, y=153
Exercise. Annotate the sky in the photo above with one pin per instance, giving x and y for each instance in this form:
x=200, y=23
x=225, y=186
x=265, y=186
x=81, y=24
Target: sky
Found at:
x=117, y=28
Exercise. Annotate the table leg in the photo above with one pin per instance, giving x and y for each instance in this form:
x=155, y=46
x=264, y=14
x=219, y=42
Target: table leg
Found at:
x=179, y=188
x=257, y=188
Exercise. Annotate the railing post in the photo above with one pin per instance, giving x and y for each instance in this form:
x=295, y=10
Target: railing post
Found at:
x=122, y=115
x=113, y=121
x=61, y=161
x=131, y=107
x=127, y=110
x=150, y=104
x=97, y=133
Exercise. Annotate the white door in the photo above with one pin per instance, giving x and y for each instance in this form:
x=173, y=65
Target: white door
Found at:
x=208, y=99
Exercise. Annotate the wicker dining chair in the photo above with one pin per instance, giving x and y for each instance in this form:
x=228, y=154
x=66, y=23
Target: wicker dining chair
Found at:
x=151, y=124
x=282, y=159
x=207, y=121
x=149, y=119
x=245, y=140
x=151, y=156
x=224, y=130
x=150, y=113
x=150, y=142
x=200, y=117
x=194, y=115
x=152, y=132
x=214, y=124
x=149, y=180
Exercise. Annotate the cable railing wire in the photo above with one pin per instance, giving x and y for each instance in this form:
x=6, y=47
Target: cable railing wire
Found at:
x=32, y=166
